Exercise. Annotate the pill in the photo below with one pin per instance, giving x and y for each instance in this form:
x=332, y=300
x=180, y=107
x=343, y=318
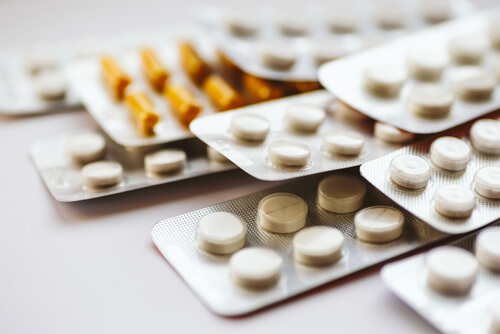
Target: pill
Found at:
x=427, y=64
x=348, y=113
x=454, y=201
x=495, y=320
x=115, y=78
x=255, y=268
x=488, y=248
x=410, y=171
x=142, y=110
x=288, y=154
x=51, y=85
x=385, y=80
x=473, y=83
x=153, y=69
x=379, y=224
x=297, y=87
x=430, y=100
x=260, y=90
x=389, y=15
x=325, y=50
x=341, y=193
x=282, y=213
x=293, y=23
x=192, y=63
x=494, y=33
x=41, y=58
x=184, y=103
x=343, y=142
x=450, y=153
x=222, y=95
x=86, y=147
x=390, y=134
x=102, y=174
x=215, y=156
x=164, y=161
x=242, y=23
x=221, y=233
x=467, y=48
x=229, y=70
x=278, y=55
x=318, y=246
x=487, y=182
x=451, y=270
x=303, y=117
x=485, y=136
x=342, y=20
x=435, y=11
x=249, y=127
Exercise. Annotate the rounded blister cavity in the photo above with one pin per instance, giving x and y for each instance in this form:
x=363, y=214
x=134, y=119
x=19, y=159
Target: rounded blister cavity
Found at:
x=50, y=85
x=384, y=79
x=430, y=100
x=288, y=154
x=389, y=15
x=494, y=32
x=473, y=83
x=86, y=147
x=325, y=50
x=304, y=117
x=451, y=270
x=427, y=64
x=495, y=319
x=102, y=174
x=255, y=268
x=221, y=233
x=347, y=113
x=341, y=193
x=342, y=20
x=410, y=171
x=41, y=58
x=242, y=23
x=293, y=23
x=343, y=142
x=215, y=156
x=318, y=246
x=485, y=136
x=282, y=213
x=250, y=127
x=488, y=249
x=454, y=201
x=487, y=182
x=164, y=161
x=435, y=11
x=379, y=224
x=450, y=153
x=468, y=48
x=390, y=134
x=277, y=55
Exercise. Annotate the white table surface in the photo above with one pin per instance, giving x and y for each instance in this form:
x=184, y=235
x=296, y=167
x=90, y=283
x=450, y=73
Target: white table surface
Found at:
x=91, y=267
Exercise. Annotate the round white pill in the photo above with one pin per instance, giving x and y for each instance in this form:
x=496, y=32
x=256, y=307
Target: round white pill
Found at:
x=468, y=48
x=293, y=23
x=495, y=320
x=389, y=15
x=427, y=64
x=451, y=270
x=325, y=50
x=102, y=173
x=347, y=113
x=318, y=246
x=304, y=117
x=283, y=153
x=450, y=153
x=485, y=136
x=473, y=83
x=41, y=58
x=341, y=193
x=342, y=20
x=255, y=268
x=250, y=127
x=86, y=147
x=487, y=182
x=282, y=213
x=343, y=142
x=410, y=171
x=215, y=156
x=379, y=224
x=278, y=55
x=164, y=161
x=221, y=233
x=50, y=85
x=430, y=100
x=488, y=248
x=384, y=79
x=242, y=23
x=454, y=201
x=435, y=11
x=494, y=32
x=390, y=134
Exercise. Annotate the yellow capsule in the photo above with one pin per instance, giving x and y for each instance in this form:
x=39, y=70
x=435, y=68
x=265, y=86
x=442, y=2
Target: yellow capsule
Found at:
x=154, y=70
x=143, y=112
x=260, y=90
x=297, y=87
x=221, y=94
x=115, y=77
x=185, y=104
x=229, y=70
x=196, y=68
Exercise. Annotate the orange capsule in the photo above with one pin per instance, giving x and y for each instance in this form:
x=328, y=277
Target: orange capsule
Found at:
x=229, y=70
x=185, y=104
x=142, y=111
x=297, y=87
x=115, y=77
x=260, y=90
x=154, y=70
x=196, y=68
x=221, y=94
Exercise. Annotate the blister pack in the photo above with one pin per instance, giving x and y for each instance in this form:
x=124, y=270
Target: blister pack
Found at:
x=469, y=300
x=85, y=164
x=429, y=81
x=286, y=240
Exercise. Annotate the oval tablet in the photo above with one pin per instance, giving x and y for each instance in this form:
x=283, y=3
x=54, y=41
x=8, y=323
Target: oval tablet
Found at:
x=342, y=20
x=494, y=33
x=473, y=83
x=325, y=50
x=341, y=193
x=51, y=85
x=41, y=58
x=454, y=201
x=347, y=113
x=385, y=80
x=318, y=246
x=250, y=127
x=487, y=182
x=242, y=23
x=164, y=161
x=488, y=248
x=303, y=117
x=255, y=268
x=288, y=154
x=278, y=55
x=410, y=171
x=282, y=213
x=430, y=100
x=450, y=153
x=389, y=15
x=451, y=270
x=86, y=147
x=434, y=11
x=102, y=174
x=485, y=136
x=343, y=142
x=468, y=48
x=293, y=23
x=390, y=134
x=427, y=64
x=221, y=233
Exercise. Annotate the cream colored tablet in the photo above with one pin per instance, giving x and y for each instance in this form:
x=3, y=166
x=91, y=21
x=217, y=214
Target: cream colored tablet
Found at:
x=343, y=142
x=318, y=246
x=427, y=64
x=221, y=233
x=435, y=11
x=450, y=153
x=41, y=58
x=485, y=136
x=325, y=50
x=410, y=171
x=288, y=154
x=347, y=113
x=468, y=48
x=242, y=23
x=473, y=83
x=379, y=224
x=454, y=201
x=430, y=100
x=341, y=193
x=164, y=161
x=494, y=32
x=384, y=79
x=487, y=182
x=390, y=134
x=255, y=268
x=389, y=15
x=495, y=319
x=215, y=156
x=488, y=248
x=451, y=270
x=282, y=213
x=278, y=55
x=250, y=127
x=102, y=174
x=293, y=23
x=86, y=147
x=50, y=85
x=304, y=117
x=342, y=20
